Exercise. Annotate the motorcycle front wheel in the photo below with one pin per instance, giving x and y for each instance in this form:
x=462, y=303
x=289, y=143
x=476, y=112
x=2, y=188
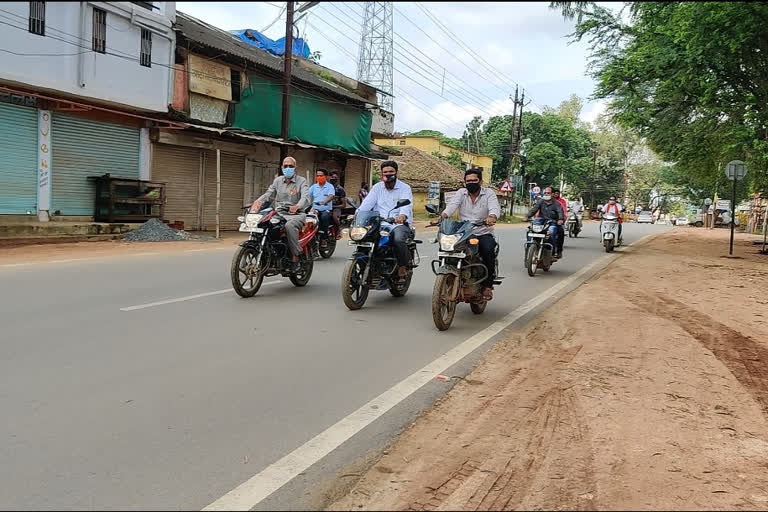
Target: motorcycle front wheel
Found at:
x=443, y=309
x=353, y=290
x=246, y=278
x=531, y=261
x=608, y=245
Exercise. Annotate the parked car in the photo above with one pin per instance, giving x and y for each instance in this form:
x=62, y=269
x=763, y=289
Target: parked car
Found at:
x=645, y=217
x=681, y=221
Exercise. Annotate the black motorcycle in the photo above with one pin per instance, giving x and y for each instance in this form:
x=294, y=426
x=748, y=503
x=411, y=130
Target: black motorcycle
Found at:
x=328, y=240
x=539, y=251
x=461, y=270
x=373, y=265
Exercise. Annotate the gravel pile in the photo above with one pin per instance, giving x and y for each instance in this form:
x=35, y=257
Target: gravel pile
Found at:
x=155, y=230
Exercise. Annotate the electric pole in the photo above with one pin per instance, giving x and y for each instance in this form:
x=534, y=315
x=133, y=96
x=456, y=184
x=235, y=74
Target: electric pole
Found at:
x=287, y=64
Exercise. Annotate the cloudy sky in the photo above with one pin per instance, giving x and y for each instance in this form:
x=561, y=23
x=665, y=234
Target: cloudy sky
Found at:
x=511, y=43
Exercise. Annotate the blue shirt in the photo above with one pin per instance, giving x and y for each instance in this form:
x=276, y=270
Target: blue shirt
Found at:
x=320, y=194
x=381, y=199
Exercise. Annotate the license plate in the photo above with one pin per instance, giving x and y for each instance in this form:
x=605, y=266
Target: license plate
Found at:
x=246, y=229
x=536, y=235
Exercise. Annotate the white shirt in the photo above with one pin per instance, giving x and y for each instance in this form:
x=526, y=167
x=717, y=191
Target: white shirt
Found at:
x=382, y=199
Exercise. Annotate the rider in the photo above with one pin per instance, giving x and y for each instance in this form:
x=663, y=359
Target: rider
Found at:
x=322, y=194
x=383, y=197
x=475, y=202
x=560, y=229
x=339, y=202
x=614, y=207
x=549, y=209
x=291, y=189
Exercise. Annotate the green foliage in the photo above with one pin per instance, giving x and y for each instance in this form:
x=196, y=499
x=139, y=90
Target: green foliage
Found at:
x=453, y=158
x=689, y=77
x=446, y=141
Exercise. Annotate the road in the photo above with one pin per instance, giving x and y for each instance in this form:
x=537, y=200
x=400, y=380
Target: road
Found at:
x=116, y=395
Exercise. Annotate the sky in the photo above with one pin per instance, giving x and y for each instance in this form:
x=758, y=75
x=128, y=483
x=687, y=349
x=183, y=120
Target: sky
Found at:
x=521, y=43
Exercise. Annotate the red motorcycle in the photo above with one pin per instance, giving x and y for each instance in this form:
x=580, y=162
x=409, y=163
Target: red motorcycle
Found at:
x=266, y=251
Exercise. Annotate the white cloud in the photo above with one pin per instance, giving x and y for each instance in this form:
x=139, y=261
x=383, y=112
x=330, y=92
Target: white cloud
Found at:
x=593, y=110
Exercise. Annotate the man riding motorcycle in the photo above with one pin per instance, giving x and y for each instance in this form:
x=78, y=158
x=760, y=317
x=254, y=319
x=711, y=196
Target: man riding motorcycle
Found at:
x=475, y=202
x=616, y=208
x=289, y=189
x=561, y=228
x=339, y=202
x=549, y=209
x=322, y=194
x=383, y=197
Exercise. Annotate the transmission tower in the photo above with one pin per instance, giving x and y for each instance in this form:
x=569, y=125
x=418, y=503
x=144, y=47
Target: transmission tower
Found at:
x=374, y=65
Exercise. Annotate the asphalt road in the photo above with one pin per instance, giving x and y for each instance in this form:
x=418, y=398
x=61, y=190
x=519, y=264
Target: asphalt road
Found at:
x=106, y=405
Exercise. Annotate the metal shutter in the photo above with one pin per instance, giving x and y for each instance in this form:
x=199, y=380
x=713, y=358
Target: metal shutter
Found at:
x=18, y=164
x=179, y=168
x=83, y=148
x=232, y=190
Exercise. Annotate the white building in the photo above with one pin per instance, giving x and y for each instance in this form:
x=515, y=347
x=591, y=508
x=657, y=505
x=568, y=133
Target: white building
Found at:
x=78, y=83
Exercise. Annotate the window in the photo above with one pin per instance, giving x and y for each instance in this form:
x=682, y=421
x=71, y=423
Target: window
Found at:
x=145, y=57
x=402, y=142
x=146, y=5
x=99, y=30
x=37, y=18
x=235, y=82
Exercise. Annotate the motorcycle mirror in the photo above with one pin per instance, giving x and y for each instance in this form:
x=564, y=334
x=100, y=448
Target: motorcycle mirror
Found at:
x=431, y=209
x=403, y=202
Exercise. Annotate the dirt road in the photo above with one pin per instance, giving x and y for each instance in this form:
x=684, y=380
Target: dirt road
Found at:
x=647, y=388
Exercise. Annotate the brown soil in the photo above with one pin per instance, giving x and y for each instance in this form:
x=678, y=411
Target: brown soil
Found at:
x=646, y=388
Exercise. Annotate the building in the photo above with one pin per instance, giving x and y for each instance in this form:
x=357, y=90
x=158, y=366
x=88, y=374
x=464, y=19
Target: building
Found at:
x=80, y=84
x=430, y=144
x=228, y=94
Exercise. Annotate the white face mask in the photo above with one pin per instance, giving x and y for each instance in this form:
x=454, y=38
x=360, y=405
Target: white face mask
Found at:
x=547, y=197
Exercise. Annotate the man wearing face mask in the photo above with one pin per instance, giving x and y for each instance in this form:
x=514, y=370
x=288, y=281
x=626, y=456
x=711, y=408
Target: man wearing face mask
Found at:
x=476, y=203
x=322, y=194
x=614, y=207
x=560, y=229
x=293, y=190
x=339, y=202
x=383, y=197
x=549, y=209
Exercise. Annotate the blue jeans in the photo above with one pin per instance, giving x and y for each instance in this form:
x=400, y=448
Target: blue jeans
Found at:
x=324, y=219
x=554, y=232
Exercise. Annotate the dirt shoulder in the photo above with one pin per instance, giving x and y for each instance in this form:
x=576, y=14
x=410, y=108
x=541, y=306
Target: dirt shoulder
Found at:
x=646, y=388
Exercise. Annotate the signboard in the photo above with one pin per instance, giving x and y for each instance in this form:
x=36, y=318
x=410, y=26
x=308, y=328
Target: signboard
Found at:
x=506, y=186
x=735, y=170
x=535, y=191
x=433, y=192
x=449, y=195
x=209, y=78
x=44, y=160
x=723, y=204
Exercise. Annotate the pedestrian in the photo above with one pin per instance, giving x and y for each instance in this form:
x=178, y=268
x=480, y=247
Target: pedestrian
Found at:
x=363, y=192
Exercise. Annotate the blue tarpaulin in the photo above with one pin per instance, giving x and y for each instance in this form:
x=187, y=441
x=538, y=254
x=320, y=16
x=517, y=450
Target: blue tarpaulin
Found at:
x=259, y=40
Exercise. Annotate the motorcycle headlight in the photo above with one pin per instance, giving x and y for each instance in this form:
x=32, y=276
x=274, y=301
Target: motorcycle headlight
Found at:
x=252, y=219
x=358, y=233
x=538, y=228
x=448, y=241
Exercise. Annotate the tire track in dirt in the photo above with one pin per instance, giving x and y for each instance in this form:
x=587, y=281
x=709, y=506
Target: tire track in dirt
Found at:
x=744, y=357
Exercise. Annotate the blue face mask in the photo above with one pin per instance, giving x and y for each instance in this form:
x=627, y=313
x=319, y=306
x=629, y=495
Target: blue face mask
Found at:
x=288, y=172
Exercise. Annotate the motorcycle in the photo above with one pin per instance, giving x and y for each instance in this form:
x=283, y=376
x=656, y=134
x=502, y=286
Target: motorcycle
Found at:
x=539, y=251
x=461, y=271
x=345, y=219
x=266, y=251
x=574, y=224
x=373, y=265
x=609, y=232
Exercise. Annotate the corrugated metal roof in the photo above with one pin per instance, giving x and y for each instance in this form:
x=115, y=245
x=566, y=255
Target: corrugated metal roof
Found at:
x=208, y=35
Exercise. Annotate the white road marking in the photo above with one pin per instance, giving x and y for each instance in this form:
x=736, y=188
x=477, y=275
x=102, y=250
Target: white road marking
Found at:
x=188, y=297
x=254, y=490
x=16, y=264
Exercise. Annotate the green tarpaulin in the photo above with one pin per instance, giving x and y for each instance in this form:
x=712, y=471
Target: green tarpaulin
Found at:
x=313, y=119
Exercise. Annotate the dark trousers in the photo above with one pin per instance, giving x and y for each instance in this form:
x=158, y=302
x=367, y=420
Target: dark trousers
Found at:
x=399, y=236
x=487, y=248
x=324, y=219
x=560, y=239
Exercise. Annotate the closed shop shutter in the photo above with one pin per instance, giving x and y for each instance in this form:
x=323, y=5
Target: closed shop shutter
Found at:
x=179, y=168
x=232, y=190
x=83, y=148
x=18, y=163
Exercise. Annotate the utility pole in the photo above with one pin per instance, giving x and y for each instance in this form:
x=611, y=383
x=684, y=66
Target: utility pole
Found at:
x=287, y=64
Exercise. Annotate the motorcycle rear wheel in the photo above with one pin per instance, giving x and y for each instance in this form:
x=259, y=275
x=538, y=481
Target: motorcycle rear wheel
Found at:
x=242, y=272
x=398, y=290
x=353, y=291
x=301, y=278
x=327, y=251
x=478, y=308
x=443, y=310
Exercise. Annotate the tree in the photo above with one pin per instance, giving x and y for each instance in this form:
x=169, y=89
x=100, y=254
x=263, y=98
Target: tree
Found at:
x=453, y=158
x=689, y=77
x=473, y=137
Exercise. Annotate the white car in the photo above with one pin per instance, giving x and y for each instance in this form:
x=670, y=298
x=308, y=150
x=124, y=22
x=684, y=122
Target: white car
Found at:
x=645, y=217
x=681, y=221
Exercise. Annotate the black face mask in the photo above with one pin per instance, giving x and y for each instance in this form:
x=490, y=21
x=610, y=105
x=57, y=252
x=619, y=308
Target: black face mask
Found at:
x=390, y=179
x=472, y=188
x=333, y=181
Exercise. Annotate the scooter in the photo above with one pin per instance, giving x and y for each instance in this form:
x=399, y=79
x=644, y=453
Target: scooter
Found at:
x=609, y=232
x=574, y=224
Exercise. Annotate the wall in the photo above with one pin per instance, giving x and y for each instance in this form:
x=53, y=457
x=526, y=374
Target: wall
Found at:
x=383, y=122
x=108, y=78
